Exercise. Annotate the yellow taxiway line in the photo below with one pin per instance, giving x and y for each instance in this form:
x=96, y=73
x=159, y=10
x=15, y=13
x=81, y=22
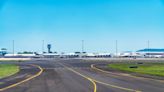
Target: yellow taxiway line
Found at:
x=96, y=81
x=118, y=87
x=114, y=86
x=91, y=80
x=23, y=81
x=127, y=75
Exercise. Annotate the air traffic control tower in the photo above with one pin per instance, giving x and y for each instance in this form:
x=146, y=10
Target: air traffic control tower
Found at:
x=49, y=48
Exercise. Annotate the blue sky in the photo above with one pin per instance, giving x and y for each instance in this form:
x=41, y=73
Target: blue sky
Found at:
x=64, y=23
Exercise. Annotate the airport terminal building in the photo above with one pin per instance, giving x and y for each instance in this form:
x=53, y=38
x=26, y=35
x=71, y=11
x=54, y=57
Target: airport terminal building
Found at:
x=143, y=53
x=153, y=53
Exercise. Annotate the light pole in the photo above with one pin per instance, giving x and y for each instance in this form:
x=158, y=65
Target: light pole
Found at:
x=82, y=46
x=116, y=48
x=13, y=43
x=148, y=46
x=43, y=46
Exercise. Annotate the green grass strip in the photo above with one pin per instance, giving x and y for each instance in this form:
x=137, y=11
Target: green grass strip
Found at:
x=8, y=70
x=156, y=69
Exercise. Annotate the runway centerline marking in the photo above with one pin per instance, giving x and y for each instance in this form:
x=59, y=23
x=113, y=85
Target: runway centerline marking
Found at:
x=23, y=81
x=91, y=80
x=128, y=89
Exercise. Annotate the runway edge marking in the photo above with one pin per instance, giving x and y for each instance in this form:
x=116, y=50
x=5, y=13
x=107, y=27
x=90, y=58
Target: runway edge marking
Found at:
x=114, y=86
x=23, y=81
x=91, y=80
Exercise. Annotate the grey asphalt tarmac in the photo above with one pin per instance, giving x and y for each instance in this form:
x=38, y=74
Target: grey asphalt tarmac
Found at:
x=76, y=75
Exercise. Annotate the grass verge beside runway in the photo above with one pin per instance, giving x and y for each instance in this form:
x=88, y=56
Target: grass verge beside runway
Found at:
x=13, y=60
x=8, y=70
x=156, y=69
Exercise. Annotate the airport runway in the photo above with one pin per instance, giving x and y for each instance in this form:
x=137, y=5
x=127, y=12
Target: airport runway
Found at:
x=75, y=75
